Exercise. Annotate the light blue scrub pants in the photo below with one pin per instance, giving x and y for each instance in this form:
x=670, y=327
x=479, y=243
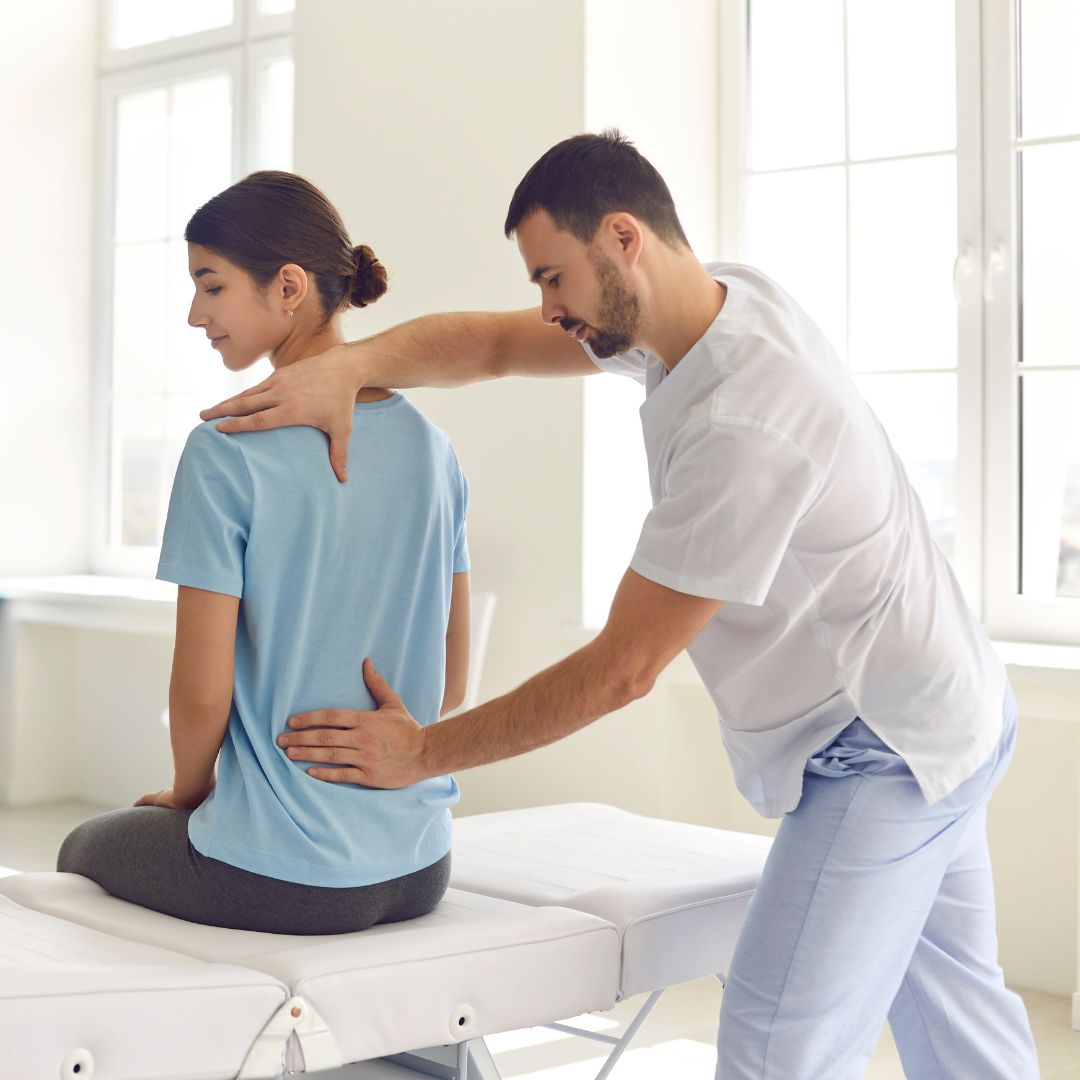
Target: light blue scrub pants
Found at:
x=874, y=906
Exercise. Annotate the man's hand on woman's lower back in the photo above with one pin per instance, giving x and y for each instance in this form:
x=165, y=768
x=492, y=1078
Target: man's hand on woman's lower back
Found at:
x=380, y=749
x=319, y=392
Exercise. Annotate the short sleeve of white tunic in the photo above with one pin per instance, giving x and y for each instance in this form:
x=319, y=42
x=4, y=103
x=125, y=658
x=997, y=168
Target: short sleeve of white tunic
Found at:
x=721, y=531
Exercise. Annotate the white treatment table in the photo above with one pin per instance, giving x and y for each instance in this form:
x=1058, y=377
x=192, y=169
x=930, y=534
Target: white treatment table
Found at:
x=552, y=912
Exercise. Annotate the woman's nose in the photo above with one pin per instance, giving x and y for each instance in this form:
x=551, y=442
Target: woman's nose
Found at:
x=195, y=318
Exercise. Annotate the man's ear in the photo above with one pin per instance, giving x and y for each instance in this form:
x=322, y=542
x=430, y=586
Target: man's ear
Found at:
x=628, y=235
x=292, y=285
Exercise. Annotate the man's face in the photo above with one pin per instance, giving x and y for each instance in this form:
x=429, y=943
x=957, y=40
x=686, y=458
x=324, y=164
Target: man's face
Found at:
x=581, y=287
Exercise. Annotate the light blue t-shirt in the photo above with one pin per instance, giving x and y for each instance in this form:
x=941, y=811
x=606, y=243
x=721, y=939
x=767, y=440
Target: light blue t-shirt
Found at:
x=327, y=574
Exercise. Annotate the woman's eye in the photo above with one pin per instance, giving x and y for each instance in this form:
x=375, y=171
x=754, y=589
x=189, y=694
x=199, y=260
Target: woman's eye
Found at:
x=214, y=290
x=554, y=281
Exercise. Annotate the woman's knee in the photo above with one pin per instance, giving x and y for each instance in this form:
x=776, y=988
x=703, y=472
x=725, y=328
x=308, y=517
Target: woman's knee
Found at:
x=72, y=856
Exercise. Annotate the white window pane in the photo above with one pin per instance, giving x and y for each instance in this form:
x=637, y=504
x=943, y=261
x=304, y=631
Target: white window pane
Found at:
x=276, y=114
x=796, y=83
x=1050, y=563
x=276, y=7
x=1049, y=74
x=142, y=164
x=919, y=413
x=1050, y=254
x=194, y=15
x=901, y=77
x=200, y=154
x=139, y=276
x=616, y=488
x=796, y=233
x=140, y=22
x=138, y=497
x=903, y=246
x=181, y=416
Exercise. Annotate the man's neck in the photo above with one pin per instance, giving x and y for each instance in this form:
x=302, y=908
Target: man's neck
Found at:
x=682, y=308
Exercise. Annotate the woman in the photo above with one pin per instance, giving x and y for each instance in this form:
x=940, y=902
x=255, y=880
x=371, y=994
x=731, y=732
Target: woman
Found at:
x=287, y=582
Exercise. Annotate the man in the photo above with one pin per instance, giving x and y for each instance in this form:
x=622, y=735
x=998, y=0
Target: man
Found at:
x=858, y=698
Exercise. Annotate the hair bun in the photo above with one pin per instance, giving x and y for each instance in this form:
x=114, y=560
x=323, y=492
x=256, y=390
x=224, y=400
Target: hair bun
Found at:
x=369, y=279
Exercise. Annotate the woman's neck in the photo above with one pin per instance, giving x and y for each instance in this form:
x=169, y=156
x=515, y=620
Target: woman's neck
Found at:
x=300, y=345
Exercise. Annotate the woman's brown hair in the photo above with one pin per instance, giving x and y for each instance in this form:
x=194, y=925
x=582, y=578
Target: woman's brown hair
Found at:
x=271, y=218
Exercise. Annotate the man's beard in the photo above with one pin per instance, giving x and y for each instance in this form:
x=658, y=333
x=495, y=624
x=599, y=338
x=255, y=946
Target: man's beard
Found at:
x=620, y=311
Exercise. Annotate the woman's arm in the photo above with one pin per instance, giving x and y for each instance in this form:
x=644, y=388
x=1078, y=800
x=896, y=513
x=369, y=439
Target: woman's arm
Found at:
x=457, y=645
x=201, y=689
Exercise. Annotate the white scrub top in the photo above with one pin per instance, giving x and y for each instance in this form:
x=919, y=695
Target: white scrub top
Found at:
x=776, y=489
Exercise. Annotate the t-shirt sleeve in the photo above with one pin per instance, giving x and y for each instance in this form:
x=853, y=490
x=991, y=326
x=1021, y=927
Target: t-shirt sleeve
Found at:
x=733, y=493
x=206, y=531
x=631, y=364
x=461, y=512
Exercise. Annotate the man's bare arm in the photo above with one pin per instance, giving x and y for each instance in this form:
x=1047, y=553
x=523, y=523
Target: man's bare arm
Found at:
x=648, y=626
x=435, y=350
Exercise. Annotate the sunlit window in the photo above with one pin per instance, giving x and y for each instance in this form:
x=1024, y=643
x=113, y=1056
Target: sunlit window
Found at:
x=177, y=130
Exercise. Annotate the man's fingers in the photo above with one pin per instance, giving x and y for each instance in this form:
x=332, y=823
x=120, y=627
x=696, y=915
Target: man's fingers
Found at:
x=339, y=453
x=326, y=718
x=380, y=689
x=338, y=776
x=335, y=755
x=265, y=420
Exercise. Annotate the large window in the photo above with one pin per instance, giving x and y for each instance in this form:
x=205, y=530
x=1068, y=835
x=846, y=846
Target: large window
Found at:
x=908, y=172
x=193, y=96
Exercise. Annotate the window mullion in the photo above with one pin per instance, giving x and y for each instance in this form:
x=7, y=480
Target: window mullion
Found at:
x=969, y=368
x=1001, y=453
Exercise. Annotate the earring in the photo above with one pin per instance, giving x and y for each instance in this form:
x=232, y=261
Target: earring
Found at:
x=288, y=312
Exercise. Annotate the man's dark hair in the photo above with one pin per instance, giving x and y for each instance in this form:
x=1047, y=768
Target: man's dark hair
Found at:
x=583, y=178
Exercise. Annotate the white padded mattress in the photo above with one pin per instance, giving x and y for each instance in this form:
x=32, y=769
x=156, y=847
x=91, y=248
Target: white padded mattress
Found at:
x=473, y=966
x=678, y=893
x=134, y=1008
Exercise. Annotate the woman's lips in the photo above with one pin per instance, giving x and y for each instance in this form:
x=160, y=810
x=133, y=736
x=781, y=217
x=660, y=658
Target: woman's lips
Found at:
x=215, y=342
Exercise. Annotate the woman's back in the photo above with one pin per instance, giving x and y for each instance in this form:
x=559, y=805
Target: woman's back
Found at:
x=328, y=574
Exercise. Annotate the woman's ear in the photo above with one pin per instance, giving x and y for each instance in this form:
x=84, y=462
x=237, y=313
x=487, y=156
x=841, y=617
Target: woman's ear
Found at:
x=292, y=286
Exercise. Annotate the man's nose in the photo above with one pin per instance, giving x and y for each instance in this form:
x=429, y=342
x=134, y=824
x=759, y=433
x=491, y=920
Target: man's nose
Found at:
x=551, y=312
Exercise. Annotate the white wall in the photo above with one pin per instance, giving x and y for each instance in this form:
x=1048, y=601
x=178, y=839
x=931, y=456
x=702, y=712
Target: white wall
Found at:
x=47, y=54
x=418, y=120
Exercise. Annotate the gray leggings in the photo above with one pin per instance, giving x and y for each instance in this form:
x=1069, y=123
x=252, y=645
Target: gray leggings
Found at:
x=143, y=854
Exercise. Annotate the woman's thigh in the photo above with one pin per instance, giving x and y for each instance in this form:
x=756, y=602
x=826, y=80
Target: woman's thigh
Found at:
x=143, y=855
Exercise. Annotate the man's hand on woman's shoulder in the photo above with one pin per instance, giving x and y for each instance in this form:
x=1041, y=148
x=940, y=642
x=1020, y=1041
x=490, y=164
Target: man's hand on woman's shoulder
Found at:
x=319, y=391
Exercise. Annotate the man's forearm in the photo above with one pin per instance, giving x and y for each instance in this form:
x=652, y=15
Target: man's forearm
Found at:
x=559, y=701
x=444, y=350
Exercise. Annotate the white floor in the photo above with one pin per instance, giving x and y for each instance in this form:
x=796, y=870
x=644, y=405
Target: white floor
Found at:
x=676, y=1041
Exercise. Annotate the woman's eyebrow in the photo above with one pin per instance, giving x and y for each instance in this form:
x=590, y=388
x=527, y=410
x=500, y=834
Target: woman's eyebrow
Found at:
x=204, y=270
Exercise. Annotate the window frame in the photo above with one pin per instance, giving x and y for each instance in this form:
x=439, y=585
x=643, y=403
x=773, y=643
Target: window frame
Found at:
x=987, y=465
x=238, y=49
x=1009, y=614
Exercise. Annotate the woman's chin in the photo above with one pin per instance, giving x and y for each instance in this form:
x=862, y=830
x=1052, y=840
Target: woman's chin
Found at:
x=238, y=362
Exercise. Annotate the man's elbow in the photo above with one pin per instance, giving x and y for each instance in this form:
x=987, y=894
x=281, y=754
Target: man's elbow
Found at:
x=630, y=685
